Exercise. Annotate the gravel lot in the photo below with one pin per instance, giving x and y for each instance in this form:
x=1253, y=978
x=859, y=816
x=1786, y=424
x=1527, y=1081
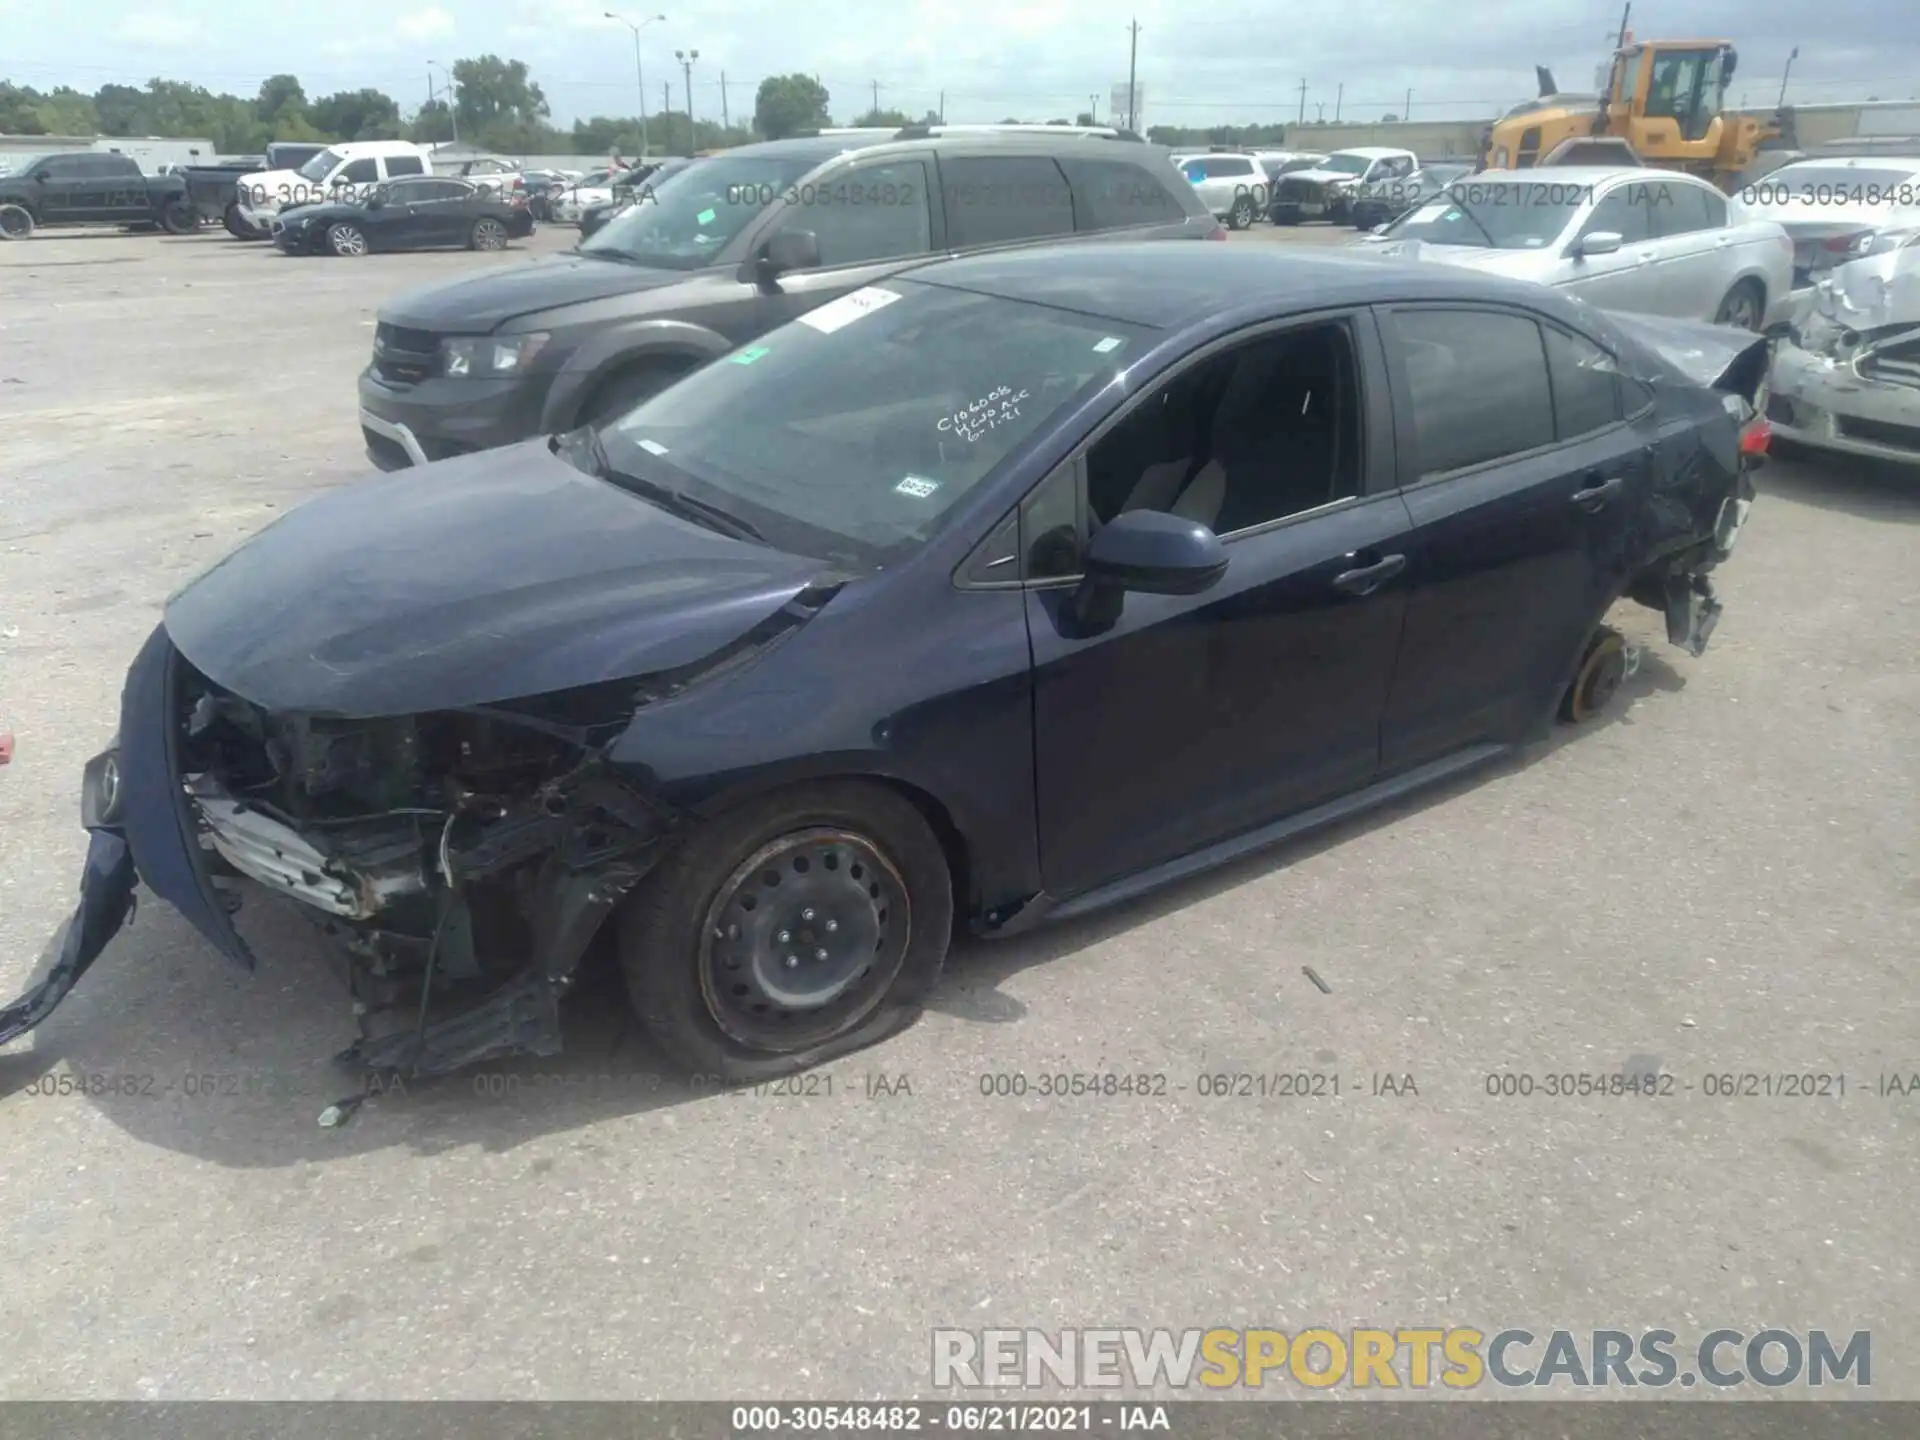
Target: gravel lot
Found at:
x=1718, y=877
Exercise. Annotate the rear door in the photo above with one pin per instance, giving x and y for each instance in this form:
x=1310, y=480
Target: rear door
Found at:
x=1519, y=471
x=1627, y=279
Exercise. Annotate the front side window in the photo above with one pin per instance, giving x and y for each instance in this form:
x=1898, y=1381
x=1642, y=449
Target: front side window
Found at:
x=359, y=172
x=1477, y=383
x=854, y=432
x=1626, y=212
x=1264, y=430
x=1685, y=209
x=874, y=212
x=1001, y=200
x=685, y=221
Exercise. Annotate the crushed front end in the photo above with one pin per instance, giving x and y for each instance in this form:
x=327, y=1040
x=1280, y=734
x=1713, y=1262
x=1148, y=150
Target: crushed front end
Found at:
x=461, y=862
x=1849, y=380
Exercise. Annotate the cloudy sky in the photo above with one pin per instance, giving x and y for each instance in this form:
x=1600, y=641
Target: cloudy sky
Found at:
x=1236, y=60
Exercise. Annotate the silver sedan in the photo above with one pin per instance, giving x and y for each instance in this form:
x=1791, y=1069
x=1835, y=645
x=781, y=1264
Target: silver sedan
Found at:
x=1652, y=242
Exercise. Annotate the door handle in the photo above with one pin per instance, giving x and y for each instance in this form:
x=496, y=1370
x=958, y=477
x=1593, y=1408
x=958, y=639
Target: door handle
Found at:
x=1595, y=497
x=1369, y=578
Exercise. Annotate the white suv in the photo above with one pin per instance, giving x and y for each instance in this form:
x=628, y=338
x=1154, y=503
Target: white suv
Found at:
x=338, y=173
x=1233, y=186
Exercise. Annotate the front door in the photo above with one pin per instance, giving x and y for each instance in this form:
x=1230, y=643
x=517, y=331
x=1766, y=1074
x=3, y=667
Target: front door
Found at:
x=1193, y=719
x=1519, y=474
x=1628, y=278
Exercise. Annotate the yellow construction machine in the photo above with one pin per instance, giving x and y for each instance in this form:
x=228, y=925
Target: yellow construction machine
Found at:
x=1664, y=105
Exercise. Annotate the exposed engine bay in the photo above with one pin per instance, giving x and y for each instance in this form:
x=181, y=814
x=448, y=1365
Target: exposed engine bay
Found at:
x=462, y=860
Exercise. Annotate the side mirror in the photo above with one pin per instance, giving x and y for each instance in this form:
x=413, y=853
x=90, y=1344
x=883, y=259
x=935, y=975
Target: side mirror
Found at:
x=1150, y=552
x=374, y=202
x=1601, y=242
x=43, y=176
x=788, y=250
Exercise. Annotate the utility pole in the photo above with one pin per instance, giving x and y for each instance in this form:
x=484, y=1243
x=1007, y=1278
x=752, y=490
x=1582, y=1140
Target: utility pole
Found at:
x=1319, y=110
x=453, y=100
x=686, y=59
x=1338, y=95
x=1406, y=112
x=639, y=77
x=876, y=96
x=1784, y=74
x=1133, y=71
x=1303, y=100
x=666, y=110
x=726, y=123
x=943, y=107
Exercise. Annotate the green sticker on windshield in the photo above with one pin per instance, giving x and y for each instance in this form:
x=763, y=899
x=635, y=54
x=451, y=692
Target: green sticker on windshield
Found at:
x=705, y=217
x=749, y=355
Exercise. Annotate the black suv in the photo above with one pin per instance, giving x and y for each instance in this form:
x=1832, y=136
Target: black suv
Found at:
x=726, y=250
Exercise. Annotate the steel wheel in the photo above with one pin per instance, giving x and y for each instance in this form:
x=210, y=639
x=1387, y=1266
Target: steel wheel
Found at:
x=1741, y=308
x=346, y=239
x=803, y=939
x=489, y=234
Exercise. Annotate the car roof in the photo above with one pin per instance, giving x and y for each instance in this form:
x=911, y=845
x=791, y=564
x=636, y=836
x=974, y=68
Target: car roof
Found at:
x=1173, y=284
x=1372, y=152
x=1834, y=162
x=1581, y=176
x=821, y=148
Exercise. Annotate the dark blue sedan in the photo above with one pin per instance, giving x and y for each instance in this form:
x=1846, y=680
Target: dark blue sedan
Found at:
x=1003, y=590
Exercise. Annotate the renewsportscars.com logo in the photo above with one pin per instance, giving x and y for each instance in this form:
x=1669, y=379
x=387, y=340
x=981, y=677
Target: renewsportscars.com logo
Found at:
x=1457, y=1358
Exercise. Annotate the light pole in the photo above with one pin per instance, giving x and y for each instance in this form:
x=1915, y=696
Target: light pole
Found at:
x=639, y=79
x=1783, y=77
x=686, y=59
x=453, y=101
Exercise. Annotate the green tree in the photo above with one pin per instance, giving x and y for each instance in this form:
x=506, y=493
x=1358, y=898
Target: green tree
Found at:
x=787, y=104
x=121, y=108
x=282, y=98
x=892, y=119
x=496, y=99
x=20, y=110
x=1085, y=117
x=432, y=124
x=356, y=115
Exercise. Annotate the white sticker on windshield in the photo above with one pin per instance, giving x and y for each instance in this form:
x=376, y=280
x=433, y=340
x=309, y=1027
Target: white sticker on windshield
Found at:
x=1108, y=345
x=1432, y=211
x=849, y=308
x=917, y=486
x=653, y=447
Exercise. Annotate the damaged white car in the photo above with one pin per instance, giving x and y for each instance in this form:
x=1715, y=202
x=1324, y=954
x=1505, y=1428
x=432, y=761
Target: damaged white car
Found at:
x=1849, y=380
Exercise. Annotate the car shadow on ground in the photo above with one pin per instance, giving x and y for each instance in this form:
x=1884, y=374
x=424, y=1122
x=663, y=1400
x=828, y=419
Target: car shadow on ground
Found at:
x=1865, y=489
x=185, y=1052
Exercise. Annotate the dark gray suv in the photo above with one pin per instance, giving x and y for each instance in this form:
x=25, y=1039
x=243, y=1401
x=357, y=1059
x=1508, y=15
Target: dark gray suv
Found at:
x=726, y=250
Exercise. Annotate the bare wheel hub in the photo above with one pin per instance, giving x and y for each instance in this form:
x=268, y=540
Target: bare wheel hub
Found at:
x=803, y=938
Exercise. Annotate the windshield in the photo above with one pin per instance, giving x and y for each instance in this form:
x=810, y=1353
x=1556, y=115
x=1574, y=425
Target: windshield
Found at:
x=21, y=164
x=853, y=432
x=684, y=221
x=1503, y=216
x=1346, y=164
x=320, y=166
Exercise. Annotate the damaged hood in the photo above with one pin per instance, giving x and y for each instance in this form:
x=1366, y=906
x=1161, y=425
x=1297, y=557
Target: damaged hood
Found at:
x=479, y=303
x=1714, y=357
x=1874, y=293
x=492, y=577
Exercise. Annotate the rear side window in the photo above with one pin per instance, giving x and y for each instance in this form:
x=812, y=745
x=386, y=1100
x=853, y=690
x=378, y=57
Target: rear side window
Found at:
x=998, y=200
x=1681, y=209
x=1586, y=384
x=1477, y=385
x=1111, y=195
x=406, y=165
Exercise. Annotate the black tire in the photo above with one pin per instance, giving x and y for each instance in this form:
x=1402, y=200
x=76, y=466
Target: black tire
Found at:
x=179, y=218
x=1241, y=215
x=17, y=222
x=1744, y=308
x=237, y=225
x=1284, y=218
x=688, y=964
x=1603, y=665
x=487, y=234
x=628, y=388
